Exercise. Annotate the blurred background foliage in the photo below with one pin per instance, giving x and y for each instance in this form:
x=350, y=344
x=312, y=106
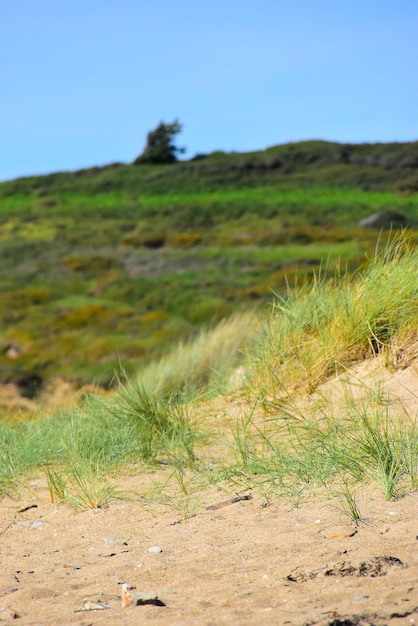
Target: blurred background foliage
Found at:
x=103, y=269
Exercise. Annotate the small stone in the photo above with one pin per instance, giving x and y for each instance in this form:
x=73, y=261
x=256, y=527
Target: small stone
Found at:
x=339, y=532
x=90, y=605
x=132, y=598
x=8, y=614
x=38, y=524
x=155, y=549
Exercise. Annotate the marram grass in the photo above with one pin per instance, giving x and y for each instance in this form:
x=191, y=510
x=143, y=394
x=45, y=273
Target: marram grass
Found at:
x=204, y=365
x=268, y=362
x=324, y=327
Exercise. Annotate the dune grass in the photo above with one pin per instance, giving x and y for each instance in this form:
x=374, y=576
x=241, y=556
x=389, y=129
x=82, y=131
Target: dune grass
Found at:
x=291, y=435
x=146, y=421
x=201, y=367
x=321, y=328
x=312, y=336
x=302, y=449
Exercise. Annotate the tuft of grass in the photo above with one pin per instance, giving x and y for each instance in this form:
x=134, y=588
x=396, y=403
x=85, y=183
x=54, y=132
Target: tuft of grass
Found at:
x=181, y=492
x=159, y=425
x=79, y=449
x=82, y=486
x=319, y=444
x=204, y=365
x=386, y=448
x=88, y=488
x=56, y=484
x=320, y=329
x=9, y=474
x=348, y=505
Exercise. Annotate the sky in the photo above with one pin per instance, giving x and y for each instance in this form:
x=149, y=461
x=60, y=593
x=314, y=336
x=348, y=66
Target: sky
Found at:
x=84, y=81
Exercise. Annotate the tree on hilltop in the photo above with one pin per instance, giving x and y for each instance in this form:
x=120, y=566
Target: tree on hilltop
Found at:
x=160, y=146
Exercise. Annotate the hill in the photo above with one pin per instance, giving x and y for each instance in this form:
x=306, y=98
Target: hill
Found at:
x=101, y=269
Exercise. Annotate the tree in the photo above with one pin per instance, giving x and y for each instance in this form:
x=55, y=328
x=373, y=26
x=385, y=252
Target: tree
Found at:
x=160, y=147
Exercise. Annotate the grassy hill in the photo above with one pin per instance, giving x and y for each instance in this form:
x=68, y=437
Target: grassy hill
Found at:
x=105, y=268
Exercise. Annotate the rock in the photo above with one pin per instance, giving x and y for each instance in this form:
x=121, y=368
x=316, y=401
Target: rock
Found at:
x=131, y=598
x=155, y=549
x=38, y=524
x=386, y=220
x=90, y=605
x=339, y=532
x=9, y=614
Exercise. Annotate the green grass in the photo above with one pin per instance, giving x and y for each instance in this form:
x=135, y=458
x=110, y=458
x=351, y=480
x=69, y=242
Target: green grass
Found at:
x=113, y=265
x=292, y=436
x=313, y=335
x=238, y=274
x=206, y=362
x=137, y=301
x=321, y=328
x=297, y=451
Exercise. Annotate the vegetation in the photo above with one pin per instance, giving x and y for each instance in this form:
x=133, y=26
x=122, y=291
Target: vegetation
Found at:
x=260, y=389
x=102, y=270
x=160, y=148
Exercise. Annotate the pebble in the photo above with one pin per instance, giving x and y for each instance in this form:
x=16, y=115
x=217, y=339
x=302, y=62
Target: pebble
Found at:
x=90, y=605
x=339, y=532
x=9, y=614
x=155, y=549
x=38, y=524
x=131, y=598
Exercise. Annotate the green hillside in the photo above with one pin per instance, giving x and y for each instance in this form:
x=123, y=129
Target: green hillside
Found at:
x=103, y=268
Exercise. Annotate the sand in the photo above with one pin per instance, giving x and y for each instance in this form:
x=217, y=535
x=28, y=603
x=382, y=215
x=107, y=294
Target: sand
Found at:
x=245, y=562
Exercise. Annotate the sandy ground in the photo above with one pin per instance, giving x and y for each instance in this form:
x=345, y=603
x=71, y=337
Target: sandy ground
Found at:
x=245, y=562
x=241, y=563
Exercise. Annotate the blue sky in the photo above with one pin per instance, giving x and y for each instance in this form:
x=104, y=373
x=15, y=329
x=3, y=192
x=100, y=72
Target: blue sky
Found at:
x=83, y=81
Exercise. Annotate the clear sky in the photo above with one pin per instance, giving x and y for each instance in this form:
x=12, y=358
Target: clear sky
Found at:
x=83, y=81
